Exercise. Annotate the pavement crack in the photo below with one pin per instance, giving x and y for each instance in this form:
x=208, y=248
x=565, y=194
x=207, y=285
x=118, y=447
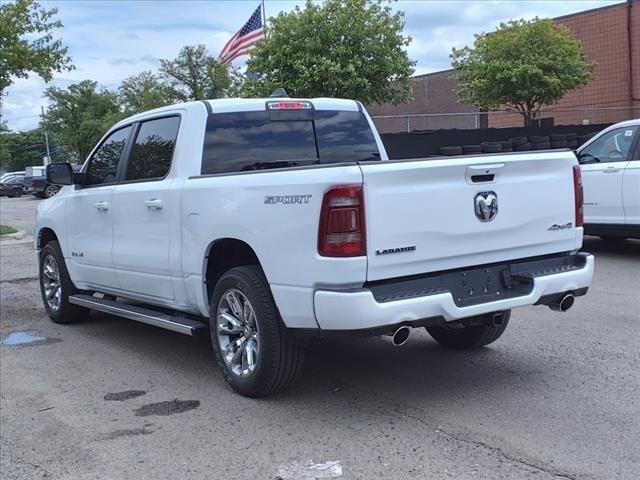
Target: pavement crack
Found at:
x=496, y=450
x=20, y=280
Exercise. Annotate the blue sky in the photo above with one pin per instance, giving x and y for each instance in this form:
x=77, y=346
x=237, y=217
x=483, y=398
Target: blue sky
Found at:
x=110, y=40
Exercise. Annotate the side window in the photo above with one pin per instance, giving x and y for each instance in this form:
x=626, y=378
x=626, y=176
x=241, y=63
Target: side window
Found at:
x=103, y=165
x=611, y=147
x=153, y=148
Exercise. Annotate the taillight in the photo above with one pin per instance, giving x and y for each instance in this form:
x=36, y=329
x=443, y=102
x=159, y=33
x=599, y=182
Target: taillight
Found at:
x=577, y=193
x=342, y=231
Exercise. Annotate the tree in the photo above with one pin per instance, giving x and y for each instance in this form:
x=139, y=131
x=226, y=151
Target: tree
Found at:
x=144, y=91
x=523, y=65
x=340, y=48
x=21, y=149
x=195, y=75
x=27, y=43
x=81, y=114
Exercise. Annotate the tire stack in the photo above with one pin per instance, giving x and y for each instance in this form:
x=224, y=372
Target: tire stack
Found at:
x=451, y=151
x=507, y=146
x=520, y=144
x=491, y=147
x=539, y=142
x=471, y=149
x=558, y=140
x=584, y=138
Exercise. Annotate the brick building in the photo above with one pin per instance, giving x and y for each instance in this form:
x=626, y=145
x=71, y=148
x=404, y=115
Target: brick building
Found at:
x=610, y=35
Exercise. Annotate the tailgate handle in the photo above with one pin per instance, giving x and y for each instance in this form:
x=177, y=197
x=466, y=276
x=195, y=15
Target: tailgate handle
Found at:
x=487, y=177
x=483, y=173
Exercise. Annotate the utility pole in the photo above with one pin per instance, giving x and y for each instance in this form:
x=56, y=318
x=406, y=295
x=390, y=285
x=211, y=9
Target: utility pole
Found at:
x=46, y=136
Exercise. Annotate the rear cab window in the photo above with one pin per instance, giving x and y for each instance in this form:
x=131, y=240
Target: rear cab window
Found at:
x=259, y=140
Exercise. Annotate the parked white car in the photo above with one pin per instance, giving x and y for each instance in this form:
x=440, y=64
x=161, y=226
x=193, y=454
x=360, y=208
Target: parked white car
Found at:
x=266, y=222
x=610, y=164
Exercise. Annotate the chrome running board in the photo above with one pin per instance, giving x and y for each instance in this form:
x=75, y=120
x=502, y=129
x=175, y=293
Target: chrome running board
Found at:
x=186, y=326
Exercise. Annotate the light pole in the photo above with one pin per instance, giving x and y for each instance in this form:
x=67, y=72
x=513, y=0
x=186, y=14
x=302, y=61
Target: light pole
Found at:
x=46, y=137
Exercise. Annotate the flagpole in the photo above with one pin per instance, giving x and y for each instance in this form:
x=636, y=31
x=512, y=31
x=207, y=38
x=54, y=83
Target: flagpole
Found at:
x=264, y=19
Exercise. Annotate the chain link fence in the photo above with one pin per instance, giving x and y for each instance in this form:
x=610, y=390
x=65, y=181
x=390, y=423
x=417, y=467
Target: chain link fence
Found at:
x=502, y=119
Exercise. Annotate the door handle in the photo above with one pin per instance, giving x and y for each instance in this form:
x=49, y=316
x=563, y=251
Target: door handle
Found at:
x=611, y=170
x=153, y=204
x=102, y=206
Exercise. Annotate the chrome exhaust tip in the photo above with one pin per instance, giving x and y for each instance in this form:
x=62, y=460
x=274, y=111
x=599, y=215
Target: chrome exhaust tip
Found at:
x=564, y=303
x=400, y=336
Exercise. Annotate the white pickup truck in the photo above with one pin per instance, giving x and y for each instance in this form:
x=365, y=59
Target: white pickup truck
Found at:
x=267, y=222
x=610, y=164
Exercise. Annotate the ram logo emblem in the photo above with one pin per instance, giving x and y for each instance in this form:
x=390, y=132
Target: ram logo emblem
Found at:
x=486, y=206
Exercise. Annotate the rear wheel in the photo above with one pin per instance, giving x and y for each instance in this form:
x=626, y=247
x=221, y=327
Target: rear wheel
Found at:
x=465, y=337
x=16, y=192
x=253, y=349
x=56, y=286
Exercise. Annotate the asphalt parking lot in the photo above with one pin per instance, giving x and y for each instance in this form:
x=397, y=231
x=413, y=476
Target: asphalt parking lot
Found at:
x=555, y=397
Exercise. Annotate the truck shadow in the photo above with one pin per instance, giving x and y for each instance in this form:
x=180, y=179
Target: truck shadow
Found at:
x=361, y=369
x=624, y=248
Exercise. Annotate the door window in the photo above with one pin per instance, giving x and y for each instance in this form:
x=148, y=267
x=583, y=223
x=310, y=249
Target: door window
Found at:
x=103, y=165
x=153, y=148
x=611, y=147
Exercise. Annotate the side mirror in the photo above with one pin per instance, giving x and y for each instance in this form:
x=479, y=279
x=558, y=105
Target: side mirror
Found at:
x=60, y=174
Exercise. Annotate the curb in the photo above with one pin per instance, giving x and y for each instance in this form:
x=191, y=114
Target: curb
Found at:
x=19, y=236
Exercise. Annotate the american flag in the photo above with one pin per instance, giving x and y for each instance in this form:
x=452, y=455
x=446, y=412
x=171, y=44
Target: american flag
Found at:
x=245, y=39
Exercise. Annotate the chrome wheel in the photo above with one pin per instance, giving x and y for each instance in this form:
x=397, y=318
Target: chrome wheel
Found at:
x=237, y=332
x=51, y=283
x=50, y=191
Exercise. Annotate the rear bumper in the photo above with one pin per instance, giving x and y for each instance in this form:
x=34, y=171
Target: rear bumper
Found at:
x=376, y=307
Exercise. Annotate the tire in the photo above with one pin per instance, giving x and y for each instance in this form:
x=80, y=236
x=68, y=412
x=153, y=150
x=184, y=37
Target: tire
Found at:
x=468, y=337
x=471, y=149
x=50, y=191
x=491, y=147
x=507, y=146
x=15, y=193
x=65, y=312
x=560, y=144
x=522, y=148
x=558, y=137
x=584, y=138
x=540, y=146
x=538, y=139
x=278, y=358
x=450, y=151
x=517, y=141
x=572, y=137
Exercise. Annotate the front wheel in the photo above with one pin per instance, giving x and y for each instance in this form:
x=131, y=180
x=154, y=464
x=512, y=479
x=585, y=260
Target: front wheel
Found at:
x=56, y=286
x=50, y=191
x=465, y=337
x=253, y=349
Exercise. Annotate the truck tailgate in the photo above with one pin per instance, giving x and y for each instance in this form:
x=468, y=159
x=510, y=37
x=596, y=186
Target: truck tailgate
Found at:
x=421, y=214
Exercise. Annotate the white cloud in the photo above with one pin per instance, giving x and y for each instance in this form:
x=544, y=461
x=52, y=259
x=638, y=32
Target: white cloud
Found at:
x=109, y=41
